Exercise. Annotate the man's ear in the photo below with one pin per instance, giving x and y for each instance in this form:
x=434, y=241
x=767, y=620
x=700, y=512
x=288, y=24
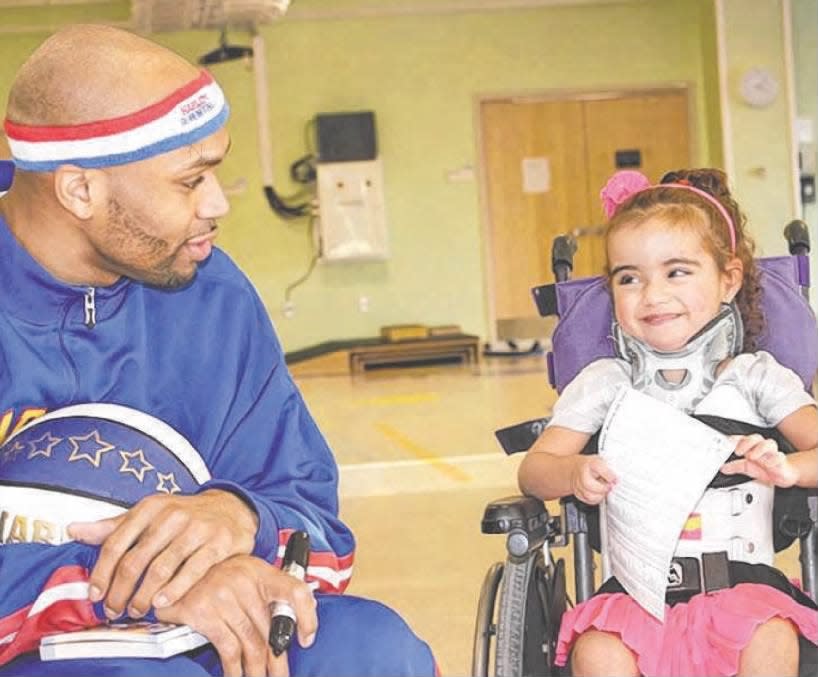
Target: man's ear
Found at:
x=732, y=278
x=80, y=191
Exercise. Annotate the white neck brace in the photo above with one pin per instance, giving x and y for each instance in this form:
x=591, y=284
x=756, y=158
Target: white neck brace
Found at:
x=719, y=339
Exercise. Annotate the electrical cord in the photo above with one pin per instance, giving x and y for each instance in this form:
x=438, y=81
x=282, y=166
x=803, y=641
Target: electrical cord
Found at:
x=306, y=191
x=303, y=170
x=311, y=267
x=310, y=130
x=284, y=210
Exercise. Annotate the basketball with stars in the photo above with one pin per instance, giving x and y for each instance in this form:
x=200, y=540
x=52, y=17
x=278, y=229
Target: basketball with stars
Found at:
x=88, y=462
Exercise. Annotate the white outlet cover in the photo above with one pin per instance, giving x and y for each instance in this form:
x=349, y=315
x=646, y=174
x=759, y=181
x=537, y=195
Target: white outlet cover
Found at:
x=352, y=215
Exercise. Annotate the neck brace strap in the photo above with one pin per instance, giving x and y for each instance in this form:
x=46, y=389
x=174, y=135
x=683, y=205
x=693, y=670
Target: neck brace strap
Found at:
x=719, y=339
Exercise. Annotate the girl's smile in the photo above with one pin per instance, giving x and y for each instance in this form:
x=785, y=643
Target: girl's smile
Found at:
x=666, y=286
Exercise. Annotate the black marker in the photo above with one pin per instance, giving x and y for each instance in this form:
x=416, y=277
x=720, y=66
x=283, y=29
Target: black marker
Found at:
x=296, y=555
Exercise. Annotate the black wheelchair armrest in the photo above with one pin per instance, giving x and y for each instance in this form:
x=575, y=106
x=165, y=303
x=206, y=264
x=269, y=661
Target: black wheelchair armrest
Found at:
x=576, y=516
x=521, y=436
x=524, y=519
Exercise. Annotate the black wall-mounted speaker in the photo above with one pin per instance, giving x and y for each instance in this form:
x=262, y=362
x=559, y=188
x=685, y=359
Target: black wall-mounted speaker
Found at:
x=623, y=159
x=346, y=137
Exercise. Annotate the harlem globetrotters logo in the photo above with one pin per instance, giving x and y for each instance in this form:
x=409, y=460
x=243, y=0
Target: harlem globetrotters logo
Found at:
x=196, y=108
x=88, y=462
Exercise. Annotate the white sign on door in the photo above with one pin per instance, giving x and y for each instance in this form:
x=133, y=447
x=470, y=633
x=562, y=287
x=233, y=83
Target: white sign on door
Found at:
x=536, y=175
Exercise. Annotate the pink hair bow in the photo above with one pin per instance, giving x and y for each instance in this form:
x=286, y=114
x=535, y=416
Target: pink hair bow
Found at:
x=620, y=187
x=628, y=182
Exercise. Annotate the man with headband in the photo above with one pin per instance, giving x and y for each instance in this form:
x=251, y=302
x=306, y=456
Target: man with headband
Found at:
x=111, y=291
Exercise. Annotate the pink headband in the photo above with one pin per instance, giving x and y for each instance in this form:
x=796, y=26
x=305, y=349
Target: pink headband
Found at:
x=628, y=182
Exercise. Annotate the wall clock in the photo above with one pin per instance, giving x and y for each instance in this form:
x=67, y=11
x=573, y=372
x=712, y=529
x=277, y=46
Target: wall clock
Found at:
x=758, y=87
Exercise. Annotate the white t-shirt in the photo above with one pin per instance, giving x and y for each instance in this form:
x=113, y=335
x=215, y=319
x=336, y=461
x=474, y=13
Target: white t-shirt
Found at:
x=753, y=388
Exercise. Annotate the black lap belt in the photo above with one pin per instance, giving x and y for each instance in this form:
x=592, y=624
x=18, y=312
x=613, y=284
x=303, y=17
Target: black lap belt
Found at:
x=688, y=576
x=737, y=572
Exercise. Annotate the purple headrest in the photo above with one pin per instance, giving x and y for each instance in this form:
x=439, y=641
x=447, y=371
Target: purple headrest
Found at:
x=585, y=315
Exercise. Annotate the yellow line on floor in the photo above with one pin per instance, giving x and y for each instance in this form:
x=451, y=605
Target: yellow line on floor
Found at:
x=391, y=400
x=421, y=452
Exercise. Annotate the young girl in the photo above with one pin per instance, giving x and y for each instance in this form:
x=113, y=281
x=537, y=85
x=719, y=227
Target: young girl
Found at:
x=686, y=302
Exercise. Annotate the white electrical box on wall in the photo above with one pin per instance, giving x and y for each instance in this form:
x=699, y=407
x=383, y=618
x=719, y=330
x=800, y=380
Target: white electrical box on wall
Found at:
x=352, y=218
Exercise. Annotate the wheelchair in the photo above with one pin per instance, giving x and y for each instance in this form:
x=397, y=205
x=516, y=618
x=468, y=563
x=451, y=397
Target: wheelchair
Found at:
x=522, y=599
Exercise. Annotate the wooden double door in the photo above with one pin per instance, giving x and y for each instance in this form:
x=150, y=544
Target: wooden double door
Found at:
x=545, y=162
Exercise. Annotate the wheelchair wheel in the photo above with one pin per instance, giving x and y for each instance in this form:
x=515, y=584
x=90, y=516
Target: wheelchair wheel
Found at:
x=531, y=603
x=484, y=627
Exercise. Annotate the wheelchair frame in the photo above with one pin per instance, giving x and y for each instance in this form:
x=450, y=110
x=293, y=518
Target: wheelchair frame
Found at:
x=522, y=599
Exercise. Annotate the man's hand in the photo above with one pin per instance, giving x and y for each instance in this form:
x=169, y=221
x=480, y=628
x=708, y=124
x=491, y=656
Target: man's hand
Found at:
x=230, y=606
x=591, y=479
x=172, y=540
x=761, y=460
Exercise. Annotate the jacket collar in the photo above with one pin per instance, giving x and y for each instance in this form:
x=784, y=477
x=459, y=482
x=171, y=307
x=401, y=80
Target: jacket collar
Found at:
x=28, y=291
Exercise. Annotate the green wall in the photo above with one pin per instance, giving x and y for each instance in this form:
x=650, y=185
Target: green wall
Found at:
x=421, y=75
x=710, y=83
x=761, y=148
x=805, y=48
x=49, y=18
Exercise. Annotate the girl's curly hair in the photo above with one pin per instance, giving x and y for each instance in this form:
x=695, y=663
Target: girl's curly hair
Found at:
x=686, y=208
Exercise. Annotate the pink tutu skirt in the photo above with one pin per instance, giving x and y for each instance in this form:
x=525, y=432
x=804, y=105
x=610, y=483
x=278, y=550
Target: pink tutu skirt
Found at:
x=703, y=636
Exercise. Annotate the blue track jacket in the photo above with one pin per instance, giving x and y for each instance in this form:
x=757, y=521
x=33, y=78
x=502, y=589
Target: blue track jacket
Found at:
x=204, y=359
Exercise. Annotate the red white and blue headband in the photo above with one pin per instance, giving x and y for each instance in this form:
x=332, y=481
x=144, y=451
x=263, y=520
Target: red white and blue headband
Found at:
x=191, y=113
x=626, y=183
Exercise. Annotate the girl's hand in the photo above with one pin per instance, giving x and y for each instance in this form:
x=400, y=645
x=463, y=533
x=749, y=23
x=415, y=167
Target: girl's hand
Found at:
x=591, y=479
x=761, y=460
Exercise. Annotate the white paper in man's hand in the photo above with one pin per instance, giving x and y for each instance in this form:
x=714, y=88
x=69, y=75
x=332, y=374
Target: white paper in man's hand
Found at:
x=663, y=461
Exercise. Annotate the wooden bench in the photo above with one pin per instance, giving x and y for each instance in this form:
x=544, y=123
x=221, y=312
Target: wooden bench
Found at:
x=357, y=356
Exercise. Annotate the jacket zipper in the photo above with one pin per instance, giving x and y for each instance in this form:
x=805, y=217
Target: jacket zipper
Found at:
x=90, y=309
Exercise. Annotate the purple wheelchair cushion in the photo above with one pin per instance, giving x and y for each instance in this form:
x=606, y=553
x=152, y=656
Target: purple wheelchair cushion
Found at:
x=583, y=333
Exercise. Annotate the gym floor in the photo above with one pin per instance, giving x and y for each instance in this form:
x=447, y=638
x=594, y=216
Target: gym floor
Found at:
x=418, y=463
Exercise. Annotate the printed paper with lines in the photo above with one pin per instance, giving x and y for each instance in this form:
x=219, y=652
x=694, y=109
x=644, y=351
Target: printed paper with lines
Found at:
x=663, y=460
